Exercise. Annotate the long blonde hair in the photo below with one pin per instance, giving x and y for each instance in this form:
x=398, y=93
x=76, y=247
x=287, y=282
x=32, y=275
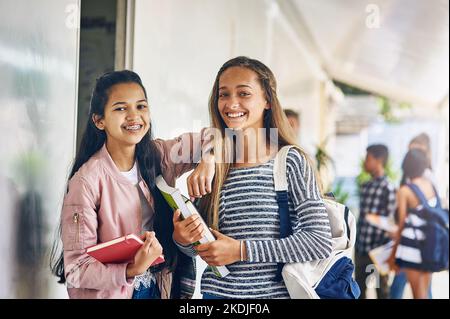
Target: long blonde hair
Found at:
x=273, y=118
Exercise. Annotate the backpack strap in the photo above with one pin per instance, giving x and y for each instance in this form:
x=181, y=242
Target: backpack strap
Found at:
x=438, y=200
x=281, y=189
x=279, y=169
x=439, y=214
x=419, y=194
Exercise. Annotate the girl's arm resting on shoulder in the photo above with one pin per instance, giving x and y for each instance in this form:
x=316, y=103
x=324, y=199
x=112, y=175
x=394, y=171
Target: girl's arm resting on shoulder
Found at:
x=79, y=231
x=311, y=238
x=182, y=154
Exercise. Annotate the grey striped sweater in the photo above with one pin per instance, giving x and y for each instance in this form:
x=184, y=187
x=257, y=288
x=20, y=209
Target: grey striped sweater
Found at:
x=248, y=211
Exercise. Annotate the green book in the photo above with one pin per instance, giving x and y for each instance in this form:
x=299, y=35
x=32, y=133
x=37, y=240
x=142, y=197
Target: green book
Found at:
x=176, y=200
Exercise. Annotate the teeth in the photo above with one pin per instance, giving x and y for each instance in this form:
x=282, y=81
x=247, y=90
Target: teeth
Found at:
x=239, y=114
x=133, y=127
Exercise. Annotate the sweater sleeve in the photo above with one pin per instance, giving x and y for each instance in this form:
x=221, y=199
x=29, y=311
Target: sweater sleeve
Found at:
x=311, y=236
x=188, y=250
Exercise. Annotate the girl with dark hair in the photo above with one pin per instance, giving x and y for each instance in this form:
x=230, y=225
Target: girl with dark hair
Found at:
x=421, y=142
x=406, y=253
x=111, y=193
x=242, y=205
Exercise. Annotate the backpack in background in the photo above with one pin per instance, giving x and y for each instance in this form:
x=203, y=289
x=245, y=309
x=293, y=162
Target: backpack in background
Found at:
x=434, y=248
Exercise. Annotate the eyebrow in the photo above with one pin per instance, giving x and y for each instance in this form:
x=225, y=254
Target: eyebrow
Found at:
x=239, y=86
x=140, y=101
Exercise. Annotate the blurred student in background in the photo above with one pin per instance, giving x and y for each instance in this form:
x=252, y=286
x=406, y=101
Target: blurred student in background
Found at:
x=377, y=196
x=294, y=120
x=417, y=201
x=421, y=142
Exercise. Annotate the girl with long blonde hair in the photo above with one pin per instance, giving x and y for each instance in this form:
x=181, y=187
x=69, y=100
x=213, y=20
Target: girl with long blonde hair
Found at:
x=242, y=207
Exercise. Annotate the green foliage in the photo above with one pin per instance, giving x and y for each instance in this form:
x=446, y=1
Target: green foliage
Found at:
x=323, y=162
x=387, y=108
x=339, y=194
x=323, y=159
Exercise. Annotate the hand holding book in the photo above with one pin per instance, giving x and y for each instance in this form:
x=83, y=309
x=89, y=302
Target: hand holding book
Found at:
x=223, y=251
x=385, y=223
x=177, y=201
x=145, y=256
x=189, y=230
x=129, y=249
x=381, y=257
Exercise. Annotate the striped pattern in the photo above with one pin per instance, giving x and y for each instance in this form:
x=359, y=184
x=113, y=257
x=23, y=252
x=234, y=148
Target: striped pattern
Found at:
x=408, y=252
x=249, y=211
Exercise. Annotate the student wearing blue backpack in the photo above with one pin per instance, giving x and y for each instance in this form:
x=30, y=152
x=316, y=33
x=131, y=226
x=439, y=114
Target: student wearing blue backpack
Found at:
x=421, y=142
x=243, y=203
x=422, y=242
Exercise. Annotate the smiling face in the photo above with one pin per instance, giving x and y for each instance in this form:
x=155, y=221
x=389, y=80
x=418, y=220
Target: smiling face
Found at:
x=241, y=100
x=126, y=117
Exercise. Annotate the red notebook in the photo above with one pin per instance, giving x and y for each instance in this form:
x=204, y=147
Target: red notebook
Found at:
x=119, y=250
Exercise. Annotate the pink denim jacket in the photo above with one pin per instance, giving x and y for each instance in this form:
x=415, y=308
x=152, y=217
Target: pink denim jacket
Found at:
x=101, y=204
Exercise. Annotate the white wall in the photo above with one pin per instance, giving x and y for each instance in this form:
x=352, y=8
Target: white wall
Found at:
x=180, y=45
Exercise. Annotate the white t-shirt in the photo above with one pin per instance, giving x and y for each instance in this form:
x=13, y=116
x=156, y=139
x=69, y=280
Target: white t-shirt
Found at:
x=147, y=213
x=147, y=278
x=132, y=174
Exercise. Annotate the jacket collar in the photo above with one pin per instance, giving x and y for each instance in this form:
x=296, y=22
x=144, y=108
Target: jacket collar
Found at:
x=114, y=172
x=111, y=167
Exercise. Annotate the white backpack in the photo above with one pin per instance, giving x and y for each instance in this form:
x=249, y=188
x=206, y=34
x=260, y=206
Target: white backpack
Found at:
x=301, y=279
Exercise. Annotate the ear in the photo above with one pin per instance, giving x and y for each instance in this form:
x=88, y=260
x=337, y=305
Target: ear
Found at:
x=268, y=106
x=98, y=121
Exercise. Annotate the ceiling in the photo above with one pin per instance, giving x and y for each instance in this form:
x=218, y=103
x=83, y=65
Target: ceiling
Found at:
x=395, y=48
